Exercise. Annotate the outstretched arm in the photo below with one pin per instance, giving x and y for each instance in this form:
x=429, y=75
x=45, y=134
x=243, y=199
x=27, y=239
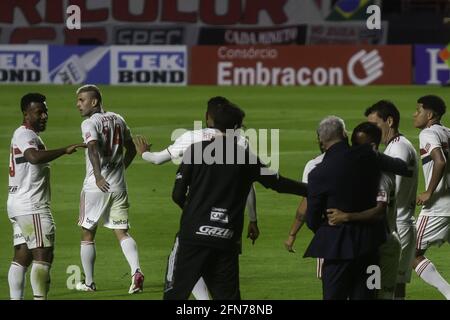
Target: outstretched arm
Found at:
x=395, y=165
x=35, y=156
x=143, y=148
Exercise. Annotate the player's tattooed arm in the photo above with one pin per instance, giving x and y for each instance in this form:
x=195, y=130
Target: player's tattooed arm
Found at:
x=93, y=153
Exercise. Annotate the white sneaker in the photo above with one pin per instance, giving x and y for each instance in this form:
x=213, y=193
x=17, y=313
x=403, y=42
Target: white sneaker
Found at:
x=82, y=286
x=137, y=282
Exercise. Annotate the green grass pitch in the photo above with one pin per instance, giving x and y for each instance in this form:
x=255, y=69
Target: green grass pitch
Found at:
x=267, y=270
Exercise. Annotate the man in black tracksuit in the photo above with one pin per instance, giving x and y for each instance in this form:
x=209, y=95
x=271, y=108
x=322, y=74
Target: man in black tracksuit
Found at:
x=212, y=185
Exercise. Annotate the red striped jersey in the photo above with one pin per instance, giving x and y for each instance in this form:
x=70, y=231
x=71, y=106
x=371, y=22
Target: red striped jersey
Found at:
x=436, y=136
x=110, y=131
x=29, y=184
x=405, y=187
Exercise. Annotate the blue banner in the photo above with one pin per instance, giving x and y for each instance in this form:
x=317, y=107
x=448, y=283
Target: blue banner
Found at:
x=79, y=64
x=430, y=67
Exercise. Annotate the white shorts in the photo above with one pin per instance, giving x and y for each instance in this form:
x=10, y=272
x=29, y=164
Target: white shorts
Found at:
x=36, y=230
x=432, y=230
x=389, y=260
x=408, y=235
x=113, y=207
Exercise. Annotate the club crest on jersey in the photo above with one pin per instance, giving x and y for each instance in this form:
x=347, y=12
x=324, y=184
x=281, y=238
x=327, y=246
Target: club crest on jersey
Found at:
x=219, y=215
x=382, y=196
x=215, y=232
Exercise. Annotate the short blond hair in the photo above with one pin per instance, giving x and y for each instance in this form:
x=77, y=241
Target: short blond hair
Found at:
x=91, y=88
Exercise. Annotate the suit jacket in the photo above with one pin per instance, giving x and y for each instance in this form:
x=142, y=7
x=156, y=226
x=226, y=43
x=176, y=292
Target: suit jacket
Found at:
x=347, y=179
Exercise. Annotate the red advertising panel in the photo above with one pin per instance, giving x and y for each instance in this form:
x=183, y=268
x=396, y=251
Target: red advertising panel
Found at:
x=300, y=65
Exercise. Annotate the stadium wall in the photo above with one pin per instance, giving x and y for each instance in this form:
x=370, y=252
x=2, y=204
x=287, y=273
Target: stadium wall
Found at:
x=330, y=65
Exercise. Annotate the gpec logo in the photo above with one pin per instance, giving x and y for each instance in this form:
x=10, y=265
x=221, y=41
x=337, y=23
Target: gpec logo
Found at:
x=372, y=65
x=74, y=272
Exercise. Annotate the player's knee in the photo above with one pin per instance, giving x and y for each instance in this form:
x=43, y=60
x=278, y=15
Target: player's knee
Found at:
x=87, y=235
x=43, y=254
x=22, y=255
x=121, y=234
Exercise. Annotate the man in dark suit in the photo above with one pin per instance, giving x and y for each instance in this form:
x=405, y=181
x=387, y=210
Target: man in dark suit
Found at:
x=347, y=178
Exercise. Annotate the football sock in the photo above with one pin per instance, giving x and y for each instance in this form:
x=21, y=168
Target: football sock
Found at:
x=130, y=251
x=40, y=279
x=87, y=254
x=200, y=291
x=427, y=271
x=16, y=280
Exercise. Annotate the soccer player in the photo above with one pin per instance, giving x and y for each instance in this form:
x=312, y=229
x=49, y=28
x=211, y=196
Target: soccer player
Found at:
x=433, y=222
x=386, y=116
x=212, y=194
x=176, y=151
x=299, y=219
x=104, y=191
x=29, y=200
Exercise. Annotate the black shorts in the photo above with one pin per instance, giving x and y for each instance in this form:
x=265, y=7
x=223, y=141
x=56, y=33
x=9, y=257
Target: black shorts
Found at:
x=187, y=263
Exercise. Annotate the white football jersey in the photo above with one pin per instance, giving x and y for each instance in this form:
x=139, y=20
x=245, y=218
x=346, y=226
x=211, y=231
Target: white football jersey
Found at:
x=29, y=184
x=436, y=136
x=110, y=131
x=405, y=187
x=310, y=165
x=180, y=145
x=386, y=194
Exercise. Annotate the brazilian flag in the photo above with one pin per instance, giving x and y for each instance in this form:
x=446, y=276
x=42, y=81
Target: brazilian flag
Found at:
x=444, y=54
x=349, y=10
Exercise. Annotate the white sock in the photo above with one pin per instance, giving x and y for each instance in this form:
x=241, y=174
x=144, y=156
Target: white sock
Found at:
x=200, y=291
x=87, y=254
x=130, y=251
x=40, y=279
x=427, y=271
x=16, y=280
